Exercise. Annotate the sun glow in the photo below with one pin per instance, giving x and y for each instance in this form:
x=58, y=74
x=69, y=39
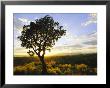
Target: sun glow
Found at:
x=58, y=52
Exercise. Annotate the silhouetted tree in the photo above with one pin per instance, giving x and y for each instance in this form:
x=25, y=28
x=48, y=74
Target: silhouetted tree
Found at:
x=40, y=36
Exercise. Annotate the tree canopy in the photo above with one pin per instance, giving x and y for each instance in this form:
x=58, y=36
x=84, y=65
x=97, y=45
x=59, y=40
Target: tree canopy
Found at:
x=41, y=35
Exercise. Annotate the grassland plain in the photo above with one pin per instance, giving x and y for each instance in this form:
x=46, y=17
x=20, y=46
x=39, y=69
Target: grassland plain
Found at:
x=82, y=64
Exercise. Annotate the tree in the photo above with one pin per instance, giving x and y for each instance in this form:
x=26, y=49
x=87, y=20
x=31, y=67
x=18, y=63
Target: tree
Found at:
x=40, y=36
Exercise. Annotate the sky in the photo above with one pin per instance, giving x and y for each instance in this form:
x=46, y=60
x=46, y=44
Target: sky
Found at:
x=81, y=32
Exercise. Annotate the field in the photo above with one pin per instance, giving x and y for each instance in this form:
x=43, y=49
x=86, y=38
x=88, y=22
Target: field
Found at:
x=83, y=64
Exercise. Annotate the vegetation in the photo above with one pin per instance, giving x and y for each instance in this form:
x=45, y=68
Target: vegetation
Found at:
x=84, y=64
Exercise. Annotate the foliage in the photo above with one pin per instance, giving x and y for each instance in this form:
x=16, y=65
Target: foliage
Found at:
x=59, y=66
x=41, y=35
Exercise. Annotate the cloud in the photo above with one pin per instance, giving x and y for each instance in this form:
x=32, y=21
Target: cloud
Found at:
x=90, y=20
x=24, y=21
x=36, y=18
x=78, y=46
x=93, y=42
x=17, y=23
x=90, y=40
x=18, y=27
x=77, y=42
x=72, y=50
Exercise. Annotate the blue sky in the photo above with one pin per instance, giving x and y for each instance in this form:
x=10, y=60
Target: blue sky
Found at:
x=81, y=30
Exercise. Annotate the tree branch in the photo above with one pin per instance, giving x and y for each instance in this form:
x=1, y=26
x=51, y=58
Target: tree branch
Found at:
x=35, y=51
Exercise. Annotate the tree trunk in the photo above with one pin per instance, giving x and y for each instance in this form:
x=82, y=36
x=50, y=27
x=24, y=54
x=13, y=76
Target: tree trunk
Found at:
x=44, y=69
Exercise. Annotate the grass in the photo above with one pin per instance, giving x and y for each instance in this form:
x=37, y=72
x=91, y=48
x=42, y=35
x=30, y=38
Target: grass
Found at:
x=83, y=64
